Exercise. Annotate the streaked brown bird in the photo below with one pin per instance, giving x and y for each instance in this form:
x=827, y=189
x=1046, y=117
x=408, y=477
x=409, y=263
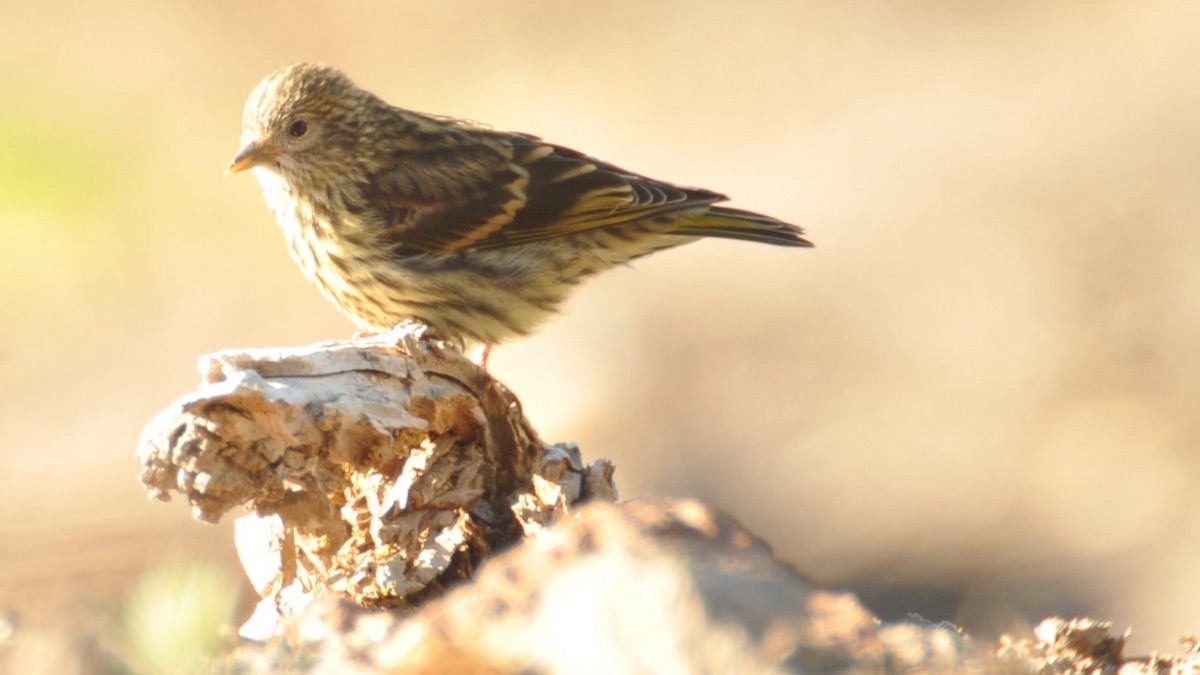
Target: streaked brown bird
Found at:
x=480, y=234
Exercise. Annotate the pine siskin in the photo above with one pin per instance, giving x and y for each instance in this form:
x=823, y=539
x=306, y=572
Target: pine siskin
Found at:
x=480, y=234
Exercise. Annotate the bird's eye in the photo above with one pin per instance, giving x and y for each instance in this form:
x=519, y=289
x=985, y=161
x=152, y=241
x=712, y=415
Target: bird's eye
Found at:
x=298, y=129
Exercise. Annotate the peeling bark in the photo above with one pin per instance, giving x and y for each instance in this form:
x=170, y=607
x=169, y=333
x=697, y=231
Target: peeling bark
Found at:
x=380, y=470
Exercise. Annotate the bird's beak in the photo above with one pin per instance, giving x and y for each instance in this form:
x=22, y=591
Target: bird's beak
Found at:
x=253, y=153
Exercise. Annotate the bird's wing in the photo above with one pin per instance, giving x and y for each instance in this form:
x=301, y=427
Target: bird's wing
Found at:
x=498, y=191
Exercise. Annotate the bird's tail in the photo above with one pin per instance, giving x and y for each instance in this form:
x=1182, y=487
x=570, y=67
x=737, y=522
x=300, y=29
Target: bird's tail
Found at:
x=729, y=223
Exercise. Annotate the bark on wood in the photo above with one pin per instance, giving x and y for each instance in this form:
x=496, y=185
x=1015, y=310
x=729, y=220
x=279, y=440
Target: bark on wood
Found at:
x=380, y=470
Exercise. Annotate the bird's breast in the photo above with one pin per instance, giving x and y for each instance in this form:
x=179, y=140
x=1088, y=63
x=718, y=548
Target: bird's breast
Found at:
x=276, y=193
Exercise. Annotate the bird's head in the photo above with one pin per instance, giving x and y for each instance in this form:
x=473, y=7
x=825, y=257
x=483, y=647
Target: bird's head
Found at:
x=303, y=120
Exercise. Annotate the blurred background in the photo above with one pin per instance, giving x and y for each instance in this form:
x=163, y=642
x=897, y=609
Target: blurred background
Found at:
x=975, y=400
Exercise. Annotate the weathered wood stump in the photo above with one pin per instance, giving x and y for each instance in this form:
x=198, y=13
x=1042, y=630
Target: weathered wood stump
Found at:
x=382, y=474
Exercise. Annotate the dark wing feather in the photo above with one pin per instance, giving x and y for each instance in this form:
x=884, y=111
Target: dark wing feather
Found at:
x=569, y=192
x=440, y=200
x=491, y=191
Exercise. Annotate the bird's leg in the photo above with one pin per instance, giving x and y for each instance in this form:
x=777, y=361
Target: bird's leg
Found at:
x=407, y=329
